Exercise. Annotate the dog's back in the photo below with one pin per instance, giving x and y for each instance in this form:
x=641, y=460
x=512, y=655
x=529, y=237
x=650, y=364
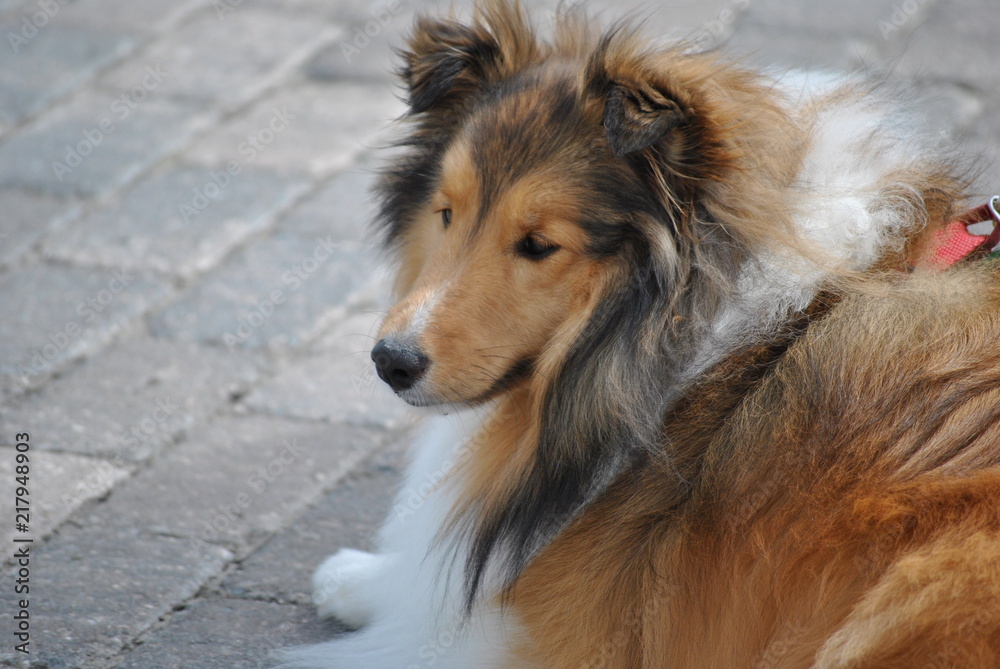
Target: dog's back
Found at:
x=834, y=501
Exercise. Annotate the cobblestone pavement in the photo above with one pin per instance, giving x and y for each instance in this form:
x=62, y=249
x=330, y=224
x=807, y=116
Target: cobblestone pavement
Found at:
x=188, y=294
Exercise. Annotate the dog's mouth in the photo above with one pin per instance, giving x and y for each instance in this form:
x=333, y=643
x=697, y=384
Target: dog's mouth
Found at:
x=404, y=367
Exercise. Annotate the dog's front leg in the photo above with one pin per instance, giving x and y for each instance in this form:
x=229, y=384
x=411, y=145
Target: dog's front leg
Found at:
x=345, y=585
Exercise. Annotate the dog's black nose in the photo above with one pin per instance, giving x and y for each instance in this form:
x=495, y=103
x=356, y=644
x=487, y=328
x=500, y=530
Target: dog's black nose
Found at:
x=399, y=365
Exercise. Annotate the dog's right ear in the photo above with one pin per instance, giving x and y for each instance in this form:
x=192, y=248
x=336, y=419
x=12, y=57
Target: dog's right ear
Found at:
x=636, y=119
x=446, y=60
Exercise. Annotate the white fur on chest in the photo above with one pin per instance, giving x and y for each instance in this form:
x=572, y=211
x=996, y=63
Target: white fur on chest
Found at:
x=409, y=596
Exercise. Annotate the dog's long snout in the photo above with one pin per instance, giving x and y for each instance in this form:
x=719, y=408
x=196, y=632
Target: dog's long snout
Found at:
x=400, y=365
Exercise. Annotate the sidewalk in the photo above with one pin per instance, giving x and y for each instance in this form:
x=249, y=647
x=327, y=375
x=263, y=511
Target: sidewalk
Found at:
x=188, y=294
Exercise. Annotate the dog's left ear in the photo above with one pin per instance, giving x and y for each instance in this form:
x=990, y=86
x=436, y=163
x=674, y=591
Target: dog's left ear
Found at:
x=446, y=59
x=637, y=116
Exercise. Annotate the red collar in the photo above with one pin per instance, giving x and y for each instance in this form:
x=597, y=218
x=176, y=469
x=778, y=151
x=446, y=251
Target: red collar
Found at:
x=955, y=243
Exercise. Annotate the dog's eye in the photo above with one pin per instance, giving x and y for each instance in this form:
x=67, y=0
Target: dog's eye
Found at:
x=446, y=218
x=534, y=248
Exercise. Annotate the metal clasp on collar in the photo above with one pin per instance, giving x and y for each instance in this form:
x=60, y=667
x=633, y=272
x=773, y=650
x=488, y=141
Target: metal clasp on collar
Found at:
x=993, y=241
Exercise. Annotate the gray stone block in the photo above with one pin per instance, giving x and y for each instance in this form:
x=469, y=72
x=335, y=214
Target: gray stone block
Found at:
x=859, y=18
x=12, y=7
x=132, y=400
x=704, y=24
x=278, y=292
x=951, y=109
x=178, y=221
x=344, y=208
x=323, y=8
x=348, y=517
x=98, y=141
x=322, y=128
x=226, y=61
x=237, y=480
x=343, y=10
x=41, y=64
x=223, y=633
x=768, y=47
x=54, y=314
x=25, y=217
x=337, y=382
x=364, y=52
x=356, y=56
x=136, y=16
x=94, y=588
x=957, y=42
x=982, y=142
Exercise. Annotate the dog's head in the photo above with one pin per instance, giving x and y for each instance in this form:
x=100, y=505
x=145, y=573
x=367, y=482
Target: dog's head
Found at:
x=547, y=187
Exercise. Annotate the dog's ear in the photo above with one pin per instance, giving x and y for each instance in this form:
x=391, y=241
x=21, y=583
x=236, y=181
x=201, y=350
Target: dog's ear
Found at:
x=637, y=116
x=445, y=59
x=641, y=106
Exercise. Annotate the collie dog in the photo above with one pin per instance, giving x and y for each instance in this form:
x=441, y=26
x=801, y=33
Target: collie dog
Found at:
x=700, y=399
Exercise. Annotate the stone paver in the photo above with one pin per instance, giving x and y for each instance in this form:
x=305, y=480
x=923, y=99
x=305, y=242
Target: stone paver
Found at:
x=189, y=292
x=825, y=18
x=238, y=480
x=58, y=56
x=303, y=128
x=27, y=217
x=99, y=141
x=223, y=633
x=933, y=50
x=137, y=16
x=56, y=313
x=282, y=569
x=130, y=402
x=337, y=383
x=97, y=588
x=278, y=292
x=195, y=68
x=343, y=207
x=178, y=221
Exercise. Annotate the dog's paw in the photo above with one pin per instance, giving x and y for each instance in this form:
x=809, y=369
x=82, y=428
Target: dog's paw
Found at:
x=343, y=586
